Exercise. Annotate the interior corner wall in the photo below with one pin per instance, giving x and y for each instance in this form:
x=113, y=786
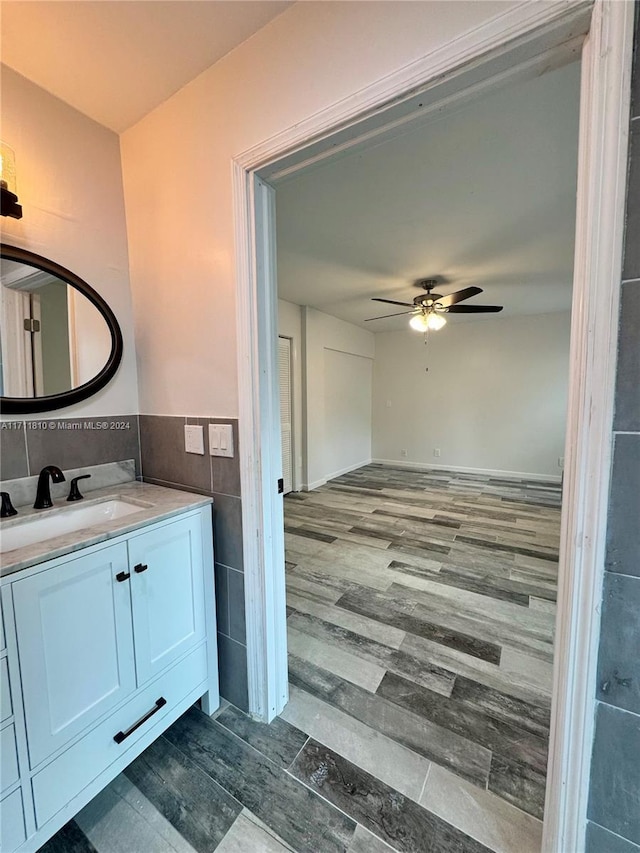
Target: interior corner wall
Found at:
x=490, y=395
x=290, y=326
x=336, y=388
x=69, y=180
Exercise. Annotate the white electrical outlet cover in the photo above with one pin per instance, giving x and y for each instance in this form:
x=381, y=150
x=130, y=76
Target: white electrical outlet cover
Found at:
x=194, y=439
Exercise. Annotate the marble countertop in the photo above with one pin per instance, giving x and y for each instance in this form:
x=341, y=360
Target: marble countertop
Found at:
x=156, y=504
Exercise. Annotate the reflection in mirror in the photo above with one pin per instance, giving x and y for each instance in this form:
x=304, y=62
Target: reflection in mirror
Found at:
x=60, y=342
x=52, y=337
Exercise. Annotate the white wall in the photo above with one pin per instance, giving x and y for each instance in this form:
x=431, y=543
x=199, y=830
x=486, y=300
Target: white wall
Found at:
x=290, y=326
x=177, y=174
x=347, y=412
x=494, y=397
x=70, y=187
x=326, y=443
x=332, y=392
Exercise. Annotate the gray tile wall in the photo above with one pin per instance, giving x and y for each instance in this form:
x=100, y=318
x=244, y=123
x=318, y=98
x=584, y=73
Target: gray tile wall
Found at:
x=164, y=461
x=28, y=444
x=614, y=803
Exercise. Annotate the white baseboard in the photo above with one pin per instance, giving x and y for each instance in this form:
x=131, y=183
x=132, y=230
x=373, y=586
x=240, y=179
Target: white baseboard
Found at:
x=308, y=487
x=489, y=472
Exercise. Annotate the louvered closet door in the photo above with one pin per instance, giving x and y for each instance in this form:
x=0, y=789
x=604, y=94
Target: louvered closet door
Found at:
x=284, y=362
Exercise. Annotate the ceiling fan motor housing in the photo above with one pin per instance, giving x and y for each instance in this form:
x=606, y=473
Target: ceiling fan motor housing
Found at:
x=428, y=300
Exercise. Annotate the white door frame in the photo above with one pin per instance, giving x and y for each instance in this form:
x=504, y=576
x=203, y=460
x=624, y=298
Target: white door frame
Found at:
x=515, y=38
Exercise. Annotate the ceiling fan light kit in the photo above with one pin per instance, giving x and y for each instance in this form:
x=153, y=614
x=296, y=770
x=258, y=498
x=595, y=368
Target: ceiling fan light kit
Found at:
x=428, y=309
x=427, y=320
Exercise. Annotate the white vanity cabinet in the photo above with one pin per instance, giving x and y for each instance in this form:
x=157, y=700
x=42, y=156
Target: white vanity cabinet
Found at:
x=112, y=644
x=166, y=594
x=75, y=643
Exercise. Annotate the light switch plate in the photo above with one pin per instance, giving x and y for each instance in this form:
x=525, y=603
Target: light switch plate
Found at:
x=194, y=439
x=221, y=440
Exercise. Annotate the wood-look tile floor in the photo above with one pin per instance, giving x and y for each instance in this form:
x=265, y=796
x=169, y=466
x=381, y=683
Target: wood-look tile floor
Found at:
x=421, y=609
x=420, y=614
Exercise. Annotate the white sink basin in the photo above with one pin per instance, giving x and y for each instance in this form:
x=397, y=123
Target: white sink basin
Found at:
x=56, y=522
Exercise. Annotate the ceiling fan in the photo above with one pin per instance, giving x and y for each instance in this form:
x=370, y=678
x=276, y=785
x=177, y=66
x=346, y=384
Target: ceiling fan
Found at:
x=428, y=309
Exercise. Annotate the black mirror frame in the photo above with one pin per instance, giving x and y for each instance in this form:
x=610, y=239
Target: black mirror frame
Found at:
x=32, y=405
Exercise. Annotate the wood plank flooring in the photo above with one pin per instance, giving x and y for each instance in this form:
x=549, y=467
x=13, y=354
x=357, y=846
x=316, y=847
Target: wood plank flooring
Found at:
x=420, y=619
x=421, y=606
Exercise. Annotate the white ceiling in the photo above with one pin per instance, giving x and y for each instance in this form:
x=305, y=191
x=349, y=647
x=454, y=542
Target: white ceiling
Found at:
x=483, y=194
x=116, y=61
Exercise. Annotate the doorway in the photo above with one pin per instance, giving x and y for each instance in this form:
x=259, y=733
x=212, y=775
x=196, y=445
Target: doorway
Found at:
x=601, y=177
x=416, y=581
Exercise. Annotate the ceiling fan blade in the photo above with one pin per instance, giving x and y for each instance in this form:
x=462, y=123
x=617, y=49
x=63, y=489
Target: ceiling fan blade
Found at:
x=473, y=309
x=392, y=302
x=459, y=295
x=384, y=316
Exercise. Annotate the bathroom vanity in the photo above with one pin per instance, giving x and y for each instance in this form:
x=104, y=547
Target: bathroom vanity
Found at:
x=108, y=635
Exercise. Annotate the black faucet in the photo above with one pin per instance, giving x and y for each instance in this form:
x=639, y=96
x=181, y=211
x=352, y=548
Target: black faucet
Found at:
x=43, y=494
x=7, y=508
x=74, y=491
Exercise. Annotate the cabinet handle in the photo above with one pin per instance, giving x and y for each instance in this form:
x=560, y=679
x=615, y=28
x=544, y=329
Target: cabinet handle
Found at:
x=160, y=703
x=123, y=576
x=141, y=567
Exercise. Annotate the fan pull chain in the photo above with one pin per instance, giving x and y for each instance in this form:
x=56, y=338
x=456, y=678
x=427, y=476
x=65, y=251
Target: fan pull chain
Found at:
x=426, y=341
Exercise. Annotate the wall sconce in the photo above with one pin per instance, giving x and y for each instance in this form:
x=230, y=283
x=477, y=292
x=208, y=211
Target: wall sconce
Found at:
x=9, y=205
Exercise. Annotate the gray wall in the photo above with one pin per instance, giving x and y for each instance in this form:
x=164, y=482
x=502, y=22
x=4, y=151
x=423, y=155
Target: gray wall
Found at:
x=165, y=462
x=614, y=803
x=27, y=445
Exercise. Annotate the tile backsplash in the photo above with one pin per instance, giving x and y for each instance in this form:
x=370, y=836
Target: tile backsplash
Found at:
x=28, y=444
x=23, y=489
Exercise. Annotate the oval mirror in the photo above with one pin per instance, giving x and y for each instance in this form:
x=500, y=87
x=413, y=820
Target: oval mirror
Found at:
x=59, y=340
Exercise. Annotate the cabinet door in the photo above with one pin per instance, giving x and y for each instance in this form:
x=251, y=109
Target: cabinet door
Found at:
x=167, y=593
x=75, y=644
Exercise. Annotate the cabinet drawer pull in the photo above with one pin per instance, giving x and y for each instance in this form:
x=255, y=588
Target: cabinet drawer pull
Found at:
x=141, y=567
x=160, y=703
x=123, y=576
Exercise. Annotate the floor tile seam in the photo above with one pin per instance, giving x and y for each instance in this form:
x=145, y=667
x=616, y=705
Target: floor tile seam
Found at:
x=397, y=669
x=355, y=763
x=430, y=604
x=253, y=818
x=492, y=719
x=375, y=733
x=317, y=793
x=282, y=770
x=419, y=721
x=354, y=634
x=357, y=822
x=142, y=815
x=434, y=614
x=194, y=765
x=473, y=833
x=252, y=747
x=243, y=806
x=424, y=784
x=422, y=719
x=444, y=580
x=436, y=610
x=290, y=765
x=448, y=629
